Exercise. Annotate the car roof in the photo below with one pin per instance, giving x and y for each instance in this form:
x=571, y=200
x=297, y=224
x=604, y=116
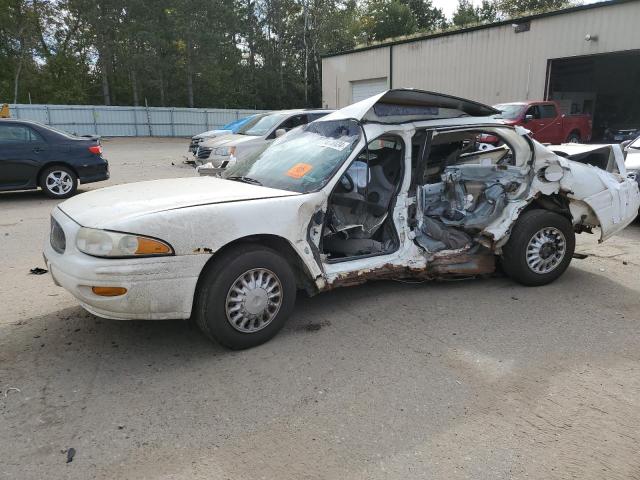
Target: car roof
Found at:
x=297, y=111
x=408, y=105
x=21, y=120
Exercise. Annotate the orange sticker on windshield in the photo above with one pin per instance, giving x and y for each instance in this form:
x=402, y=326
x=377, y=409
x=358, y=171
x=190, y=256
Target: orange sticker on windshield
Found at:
x=299, y=170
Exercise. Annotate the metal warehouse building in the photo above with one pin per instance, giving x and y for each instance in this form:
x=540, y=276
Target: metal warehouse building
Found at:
x=586, y=57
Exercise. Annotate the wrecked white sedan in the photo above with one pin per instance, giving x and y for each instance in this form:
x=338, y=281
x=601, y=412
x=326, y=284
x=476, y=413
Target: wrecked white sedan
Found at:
x=401, y=185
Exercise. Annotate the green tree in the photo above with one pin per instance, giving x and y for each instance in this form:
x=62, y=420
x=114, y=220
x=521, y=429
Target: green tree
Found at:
x=467, y=13
x=19, y=32
x=514, y=8
x=387, y=18
x=428, y=17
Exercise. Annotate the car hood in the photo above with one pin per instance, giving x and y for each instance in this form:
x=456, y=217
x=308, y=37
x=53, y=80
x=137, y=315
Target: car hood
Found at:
x=233, y=139
x=212, y=133
x=106, y=207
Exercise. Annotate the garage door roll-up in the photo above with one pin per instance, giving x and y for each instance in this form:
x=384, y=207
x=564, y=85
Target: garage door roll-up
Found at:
x=363, y=89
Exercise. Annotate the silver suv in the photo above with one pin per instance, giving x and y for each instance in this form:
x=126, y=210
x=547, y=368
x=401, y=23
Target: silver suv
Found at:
x=256, y=135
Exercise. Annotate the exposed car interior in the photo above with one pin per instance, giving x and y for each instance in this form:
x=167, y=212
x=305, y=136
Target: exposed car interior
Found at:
x=467, y=178
x=359, y=220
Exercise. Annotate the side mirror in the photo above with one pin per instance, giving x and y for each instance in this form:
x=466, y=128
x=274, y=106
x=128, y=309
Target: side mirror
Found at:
x=528, y=118
x=280, y=132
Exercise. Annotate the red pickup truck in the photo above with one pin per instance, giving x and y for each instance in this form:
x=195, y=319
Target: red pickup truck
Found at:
x=546, y=123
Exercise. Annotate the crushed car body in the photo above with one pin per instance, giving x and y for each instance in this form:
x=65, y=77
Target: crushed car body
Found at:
x=399, y=185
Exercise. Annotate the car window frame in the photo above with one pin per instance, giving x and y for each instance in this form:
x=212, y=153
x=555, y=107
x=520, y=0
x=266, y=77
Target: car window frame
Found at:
x=547, y=106
x=423, y=159
x=272, y=134
x=34, y=136
x=536, y=115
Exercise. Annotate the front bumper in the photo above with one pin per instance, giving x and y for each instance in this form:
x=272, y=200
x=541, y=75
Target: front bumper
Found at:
x=157, y=288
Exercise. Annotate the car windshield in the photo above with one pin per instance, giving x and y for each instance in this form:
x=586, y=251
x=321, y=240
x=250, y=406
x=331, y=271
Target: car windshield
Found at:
x=509, y=111
x=236, y=124
x=303, y=160
x=264, y=124
x=250, y=123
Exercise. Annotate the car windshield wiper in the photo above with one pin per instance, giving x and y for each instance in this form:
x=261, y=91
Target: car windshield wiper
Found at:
x=250, y=180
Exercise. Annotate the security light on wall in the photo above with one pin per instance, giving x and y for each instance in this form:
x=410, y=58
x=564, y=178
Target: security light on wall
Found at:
x=591, y=38
x=521, y=27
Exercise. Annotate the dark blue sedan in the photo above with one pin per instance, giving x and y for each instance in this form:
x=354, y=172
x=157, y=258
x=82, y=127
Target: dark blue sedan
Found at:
x=33, y=155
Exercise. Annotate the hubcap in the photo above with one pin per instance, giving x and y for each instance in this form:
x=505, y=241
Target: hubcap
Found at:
x=59, y=182
x=253, y=300
x=545, y=250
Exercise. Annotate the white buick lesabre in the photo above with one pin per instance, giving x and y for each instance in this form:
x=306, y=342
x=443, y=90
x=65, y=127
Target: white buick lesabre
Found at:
x=405, y=184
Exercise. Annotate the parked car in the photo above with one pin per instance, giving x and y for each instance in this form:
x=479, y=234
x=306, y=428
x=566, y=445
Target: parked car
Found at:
x=622, y=132
x=546, y=123
x=231, y=127
x=33, y=155
x=392, y=187
x=255, y=136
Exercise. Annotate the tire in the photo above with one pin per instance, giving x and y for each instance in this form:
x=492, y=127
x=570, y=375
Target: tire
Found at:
x=574, y=137
x=58, y=181
x=215, y=293
x=537, y=261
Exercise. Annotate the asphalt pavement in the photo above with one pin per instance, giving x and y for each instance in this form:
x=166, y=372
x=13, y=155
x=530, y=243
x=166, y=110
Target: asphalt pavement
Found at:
x=480, y=379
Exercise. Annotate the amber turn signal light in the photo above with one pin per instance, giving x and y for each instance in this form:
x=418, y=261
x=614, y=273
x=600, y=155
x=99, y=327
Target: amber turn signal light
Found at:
x=109, y=291
x=149, y=246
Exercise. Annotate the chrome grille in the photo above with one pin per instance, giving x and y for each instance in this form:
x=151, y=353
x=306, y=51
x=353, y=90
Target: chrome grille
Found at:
x=203, y=152
x=57, y=238
x=193, y=146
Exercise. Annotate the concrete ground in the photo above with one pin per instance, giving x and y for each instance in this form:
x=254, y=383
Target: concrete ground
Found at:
x=481, y=379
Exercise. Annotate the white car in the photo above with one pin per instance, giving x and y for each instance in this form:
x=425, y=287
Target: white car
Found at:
x=392, y=187
x=254, y=137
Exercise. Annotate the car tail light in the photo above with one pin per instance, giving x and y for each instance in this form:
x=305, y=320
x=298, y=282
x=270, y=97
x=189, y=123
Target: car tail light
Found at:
x=97, y=149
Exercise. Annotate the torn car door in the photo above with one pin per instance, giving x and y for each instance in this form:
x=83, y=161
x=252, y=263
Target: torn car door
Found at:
x=467, y=187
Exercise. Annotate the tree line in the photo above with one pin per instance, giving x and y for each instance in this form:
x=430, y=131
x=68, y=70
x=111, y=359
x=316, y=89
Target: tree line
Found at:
x=204, y=53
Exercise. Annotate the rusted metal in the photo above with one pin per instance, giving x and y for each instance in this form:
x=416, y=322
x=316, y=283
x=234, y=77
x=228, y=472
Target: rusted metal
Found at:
x=456, y=265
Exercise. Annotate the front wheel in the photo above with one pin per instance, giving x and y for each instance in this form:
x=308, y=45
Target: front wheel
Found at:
x=245, y=296
x=540, y=248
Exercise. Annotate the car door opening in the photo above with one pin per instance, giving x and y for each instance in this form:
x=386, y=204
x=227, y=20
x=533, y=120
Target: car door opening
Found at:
x=465, y=185
x=360, y=220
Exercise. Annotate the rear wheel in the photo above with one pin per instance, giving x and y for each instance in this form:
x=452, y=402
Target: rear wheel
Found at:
x=245, y=297
x=59, y=181
x=574, y=137
x=540, y=248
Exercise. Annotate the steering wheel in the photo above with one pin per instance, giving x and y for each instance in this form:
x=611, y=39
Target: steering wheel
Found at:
x=347, y=183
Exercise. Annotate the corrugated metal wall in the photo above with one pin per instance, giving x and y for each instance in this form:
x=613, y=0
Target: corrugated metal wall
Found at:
x=129, y=121
x=490, y=65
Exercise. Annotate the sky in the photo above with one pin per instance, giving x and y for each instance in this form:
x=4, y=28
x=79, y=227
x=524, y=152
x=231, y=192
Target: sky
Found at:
x=449, y=6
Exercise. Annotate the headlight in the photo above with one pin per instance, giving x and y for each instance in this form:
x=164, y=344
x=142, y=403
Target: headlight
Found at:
x=224, y=151
x=102, y=243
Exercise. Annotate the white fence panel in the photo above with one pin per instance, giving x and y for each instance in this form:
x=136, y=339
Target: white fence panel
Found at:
x=129, y=121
